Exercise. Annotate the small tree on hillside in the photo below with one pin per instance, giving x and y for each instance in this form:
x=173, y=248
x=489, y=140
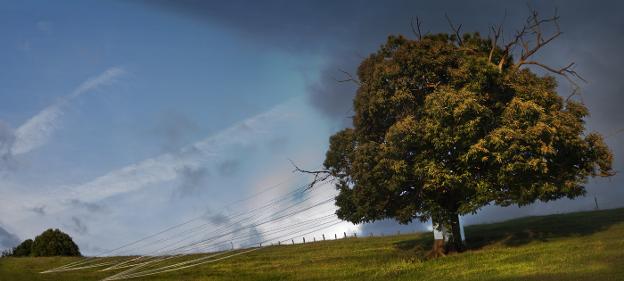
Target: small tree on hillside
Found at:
x=448, y=123
x=54, y=243
x=24, y=249
x=6, y=253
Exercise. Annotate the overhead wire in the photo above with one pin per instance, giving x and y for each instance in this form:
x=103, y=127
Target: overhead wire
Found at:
x=213, y=242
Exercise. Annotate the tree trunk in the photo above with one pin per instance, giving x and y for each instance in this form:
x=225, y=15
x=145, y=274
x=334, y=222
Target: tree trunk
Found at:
x=455, y=243
x=439, y=237
x=447, y=240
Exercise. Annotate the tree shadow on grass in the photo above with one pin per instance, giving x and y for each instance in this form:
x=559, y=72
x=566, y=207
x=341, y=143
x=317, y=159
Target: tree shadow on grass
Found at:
x=521, y=231
x=415, y=248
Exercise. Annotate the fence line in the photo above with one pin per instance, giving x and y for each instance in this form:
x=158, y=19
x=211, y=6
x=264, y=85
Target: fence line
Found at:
x=344, y=236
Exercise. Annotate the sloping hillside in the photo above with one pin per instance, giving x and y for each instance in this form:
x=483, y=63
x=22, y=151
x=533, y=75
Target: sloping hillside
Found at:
x=576, y=246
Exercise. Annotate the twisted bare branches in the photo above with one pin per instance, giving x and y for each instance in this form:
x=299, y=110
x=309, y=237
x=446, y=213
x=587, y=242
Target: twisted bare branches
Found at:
x=531, y=38
x=319, y=175
x=349, y=78
x=456, y=30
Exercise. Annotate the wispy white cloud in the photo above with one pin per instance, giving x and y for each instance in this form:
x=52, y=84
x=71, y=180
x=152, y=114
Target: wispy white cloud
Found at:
x=37, y=130
x=168, y=166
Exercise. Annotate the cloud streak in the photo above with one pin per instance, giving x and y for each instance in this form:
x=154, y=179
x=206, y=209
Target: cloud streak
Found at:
x=37, y=130
x=167, y=166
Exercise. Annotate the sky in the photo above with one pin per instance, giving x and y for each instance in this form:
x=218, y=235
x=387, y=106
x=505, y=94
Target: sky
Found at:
x=120, y=118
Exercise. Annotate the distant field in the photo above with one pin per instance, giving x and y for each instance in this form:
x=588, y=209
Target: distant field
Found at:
x=576, y=246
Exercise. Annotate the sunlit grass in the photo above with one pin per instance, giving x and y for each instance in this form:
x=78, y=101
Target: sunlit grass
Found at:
x=577, y=246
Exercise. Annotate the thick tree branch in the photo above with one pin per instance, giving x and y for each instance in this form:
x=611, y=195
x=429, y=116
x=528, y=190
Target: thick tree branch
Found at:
x=508, y=48
x=532, y=28
x=495, y=34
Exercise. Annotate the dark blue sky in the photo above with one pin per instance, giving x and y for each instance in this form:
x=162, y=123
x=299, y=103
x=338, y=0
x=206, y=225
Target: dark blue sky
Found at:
x=115, y=113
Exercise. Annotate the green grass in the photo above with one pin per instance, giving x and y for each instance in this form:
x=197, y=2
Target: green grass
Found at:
x=576, y=246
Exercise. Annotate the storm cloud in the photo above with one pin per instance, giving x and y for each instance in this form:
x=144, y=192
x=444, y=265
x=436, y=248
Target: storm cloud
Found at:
x=342, y=33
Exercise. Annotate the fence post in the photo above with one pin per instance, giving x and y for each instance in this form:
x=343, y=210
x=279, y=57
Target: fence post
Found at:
x=279, y=243
x=293, y=241
x=303, y=240
x=323, y=236
x=335, y=236
x=232, y=243
x=345, y=234
x=313, y=239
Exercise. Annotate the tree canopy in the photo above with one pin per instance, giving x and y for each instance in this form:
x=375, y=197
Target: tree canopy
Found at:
x=51, y=242
x=24, y=249
x=54, y=242
x=444, y=126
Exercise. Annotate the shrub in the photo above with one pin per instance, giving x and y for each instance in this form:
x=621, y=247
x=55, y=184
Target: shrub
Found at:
x=54, y=243
x=24, y=249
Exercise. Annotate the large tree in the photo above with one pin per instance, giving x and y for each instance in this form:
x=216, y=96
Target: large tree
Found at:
x=445, y=124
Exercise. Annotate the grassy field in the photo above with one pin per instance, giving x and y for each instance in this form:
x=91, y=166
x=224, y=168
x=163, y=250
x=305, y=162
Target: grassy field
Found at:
x=576, y=246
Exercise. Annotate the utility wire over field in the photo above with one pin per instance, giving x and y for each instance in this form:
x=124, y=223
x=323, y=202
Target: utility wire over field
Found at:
x=198, y=241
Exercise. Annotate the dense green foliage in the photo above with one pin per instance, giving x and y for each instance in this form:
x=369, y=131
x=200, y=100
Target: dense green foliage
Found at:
x=440, y=130
x=51, y=242
x=578, y=246
x=54, y=243
x=24, y=249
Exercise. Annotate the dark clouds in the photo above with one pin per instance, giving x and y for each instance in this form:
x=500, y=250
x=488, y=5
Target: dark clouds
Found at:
x=218, y=219
x=342, y=33
x=39, y=210
x=229, y=167
x=90, y=207
x=175, y=130
x=7, y=239
x=249, y=231
x=192, y=180
x=78, y=226
x=346, y=31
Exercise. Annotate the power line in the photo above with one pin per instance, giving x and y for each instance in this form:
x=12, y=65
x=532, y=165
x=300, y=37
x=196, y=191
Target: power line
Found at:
x=270, y=204
x=200, y=261
x=145, y=238
x=219, y=233
x=196, y=244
